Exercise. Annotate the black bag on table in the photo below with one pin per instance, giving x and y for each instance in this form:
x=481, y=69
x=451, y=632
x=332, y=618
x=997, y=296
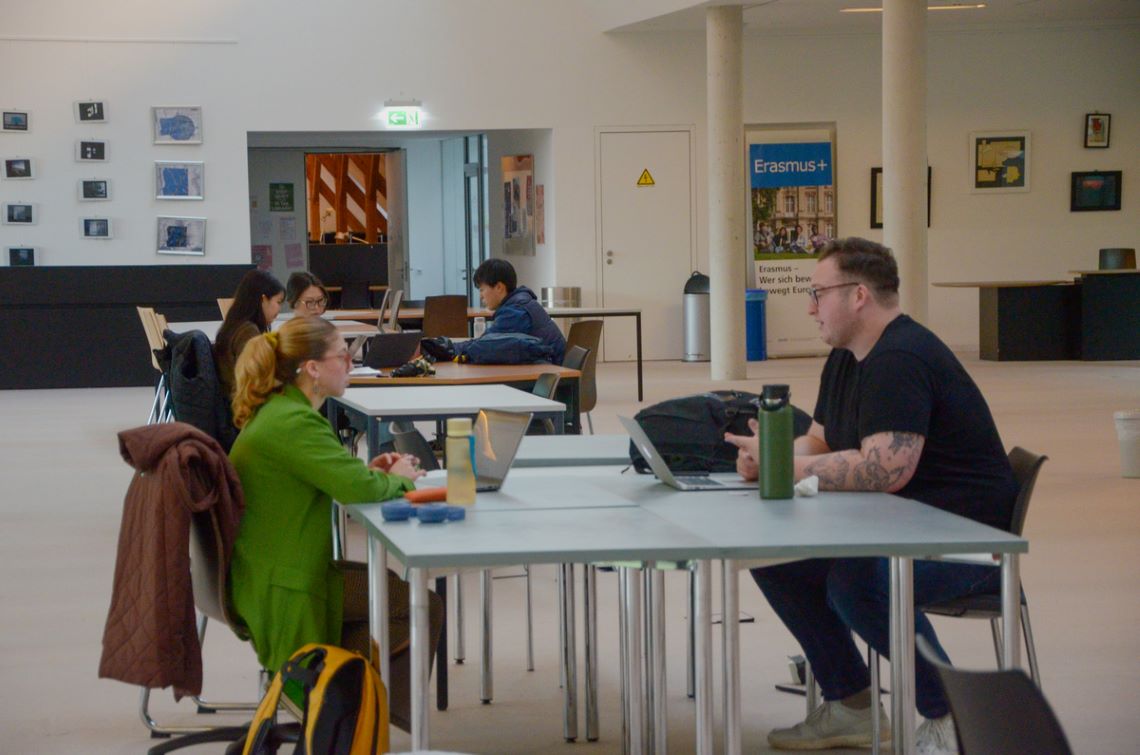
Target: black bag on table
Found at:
x=689, y=431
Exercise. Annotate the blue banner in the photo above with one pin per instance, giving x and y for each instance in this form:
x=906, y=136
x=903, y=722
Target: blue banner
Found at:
x=803, y=164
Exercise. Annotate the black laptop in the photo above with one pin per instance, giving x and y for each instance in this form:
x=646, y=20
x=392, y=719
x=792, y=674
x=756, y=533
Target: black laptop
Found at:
x=386, y=350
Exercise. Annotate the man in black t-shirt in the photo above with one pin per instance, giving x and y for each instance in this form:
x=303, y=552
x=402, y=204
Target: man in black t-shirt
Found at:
x=896, y=413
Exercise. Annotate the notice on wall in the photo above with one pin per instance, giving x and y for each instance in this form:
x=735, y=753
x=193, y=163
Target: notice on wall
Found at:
x=518, y=204
x=281, y=197
x=294, y=256
x=262, y=256
x=540, y=213
x=287, y=228
x=262, y=229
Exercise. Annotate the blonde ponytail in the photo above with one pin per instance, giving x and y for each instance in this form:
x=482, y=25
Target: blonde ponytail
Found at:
x=272, y=360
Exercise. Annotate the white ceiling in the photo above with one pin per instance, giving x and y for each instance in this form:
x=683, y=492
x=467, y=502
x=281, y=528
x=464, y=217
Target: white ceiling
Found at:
x=823, y=16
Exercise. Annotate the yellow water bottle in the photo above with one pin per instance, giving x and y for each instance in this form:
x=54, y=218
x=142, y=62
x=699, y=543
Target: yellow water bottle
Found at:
x=460, y=456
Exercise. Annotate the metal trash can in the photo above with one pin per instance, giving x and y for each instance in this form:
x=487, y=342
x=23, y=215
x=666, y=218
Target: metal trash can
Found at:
x=560, y=296
x=755, y=332
x=696, y=315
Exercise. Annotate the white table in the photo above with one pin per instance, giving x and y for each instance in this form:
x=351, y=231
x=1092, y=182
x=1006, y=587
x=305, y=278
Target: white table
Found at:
x=347, y=328
x=608, y=312
x=437, y=403
x=573, y=451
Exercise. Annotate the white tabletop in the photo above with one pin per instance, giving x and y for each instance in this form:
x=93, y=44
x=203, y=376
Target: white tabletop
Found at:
x=444, y=400
x=347, y=328
x=572, y=450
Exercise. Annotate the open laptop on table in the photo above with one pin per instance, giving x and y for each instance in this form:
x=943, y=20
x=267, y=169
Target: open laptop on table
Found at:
x=684, y=481
x=497, y=438
x=392, y=349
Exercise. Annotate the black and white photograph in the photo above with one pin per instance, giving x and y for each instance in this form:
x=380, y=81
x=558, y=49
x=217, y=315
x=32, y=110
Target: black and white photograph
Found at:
x=95, y=228
x=91, y=150
x=90, y=111
x=21, y=256
x=15, y=120
x=94, y=189
x=18, y=168
x=181, y=236
x=19, y=213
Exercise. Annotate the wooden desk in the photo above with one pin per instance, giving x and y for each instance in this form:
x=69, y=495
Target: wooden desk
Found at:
x=417, y=313
x=1027, y=320
x=347, y=328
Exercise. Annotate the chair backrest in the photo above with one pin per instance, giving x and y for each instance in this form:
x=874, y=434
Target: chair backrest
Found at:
x=998, y=712
x=224, y=304
x=545, y=385
x=445, y=316
x=587, y=334
x=393, y=323
x=149, y=319
x=575, y=358
x=408, y=440
x=380, y=310
x=1026, y=465
x=355, y=296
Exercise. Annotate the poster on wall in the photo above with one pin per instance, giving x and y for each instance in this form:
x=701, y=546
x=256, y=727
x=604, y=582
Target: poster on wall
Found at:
x=518, y=204
x=792, y=202
x=262, y=256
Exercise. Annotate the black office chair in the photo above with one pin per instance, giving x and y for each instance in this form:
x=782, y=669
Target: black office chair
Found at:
x=408, y=440
x=544, y=387
x=998, y=712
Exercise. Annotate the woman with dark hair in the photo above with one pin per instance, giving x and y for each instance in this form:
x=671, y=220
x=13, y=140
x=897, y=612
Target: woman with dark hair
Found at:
x=306, y=294
x=257, y=302
x=284, y=583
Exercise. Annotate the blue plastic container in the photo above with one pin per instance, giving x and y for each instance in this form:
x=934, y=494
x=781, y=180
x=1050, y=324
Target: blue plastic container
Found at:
x=754, y=329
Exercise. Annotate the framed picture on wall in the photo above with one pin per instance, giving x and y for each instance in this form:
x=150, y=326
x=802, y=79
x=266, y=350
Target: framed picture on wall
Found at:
x=20, y=213
x=877, y=197
x=181, y=236
x=177, y=125
x=16, y=120
x=21, y=256
x=18, y=168
x=1096, y=130
x=96, y=228
x=1095, y=191
x=178, y=180
x=94, y=189
x=999, y=161
x=91, y=150
x=90, y=111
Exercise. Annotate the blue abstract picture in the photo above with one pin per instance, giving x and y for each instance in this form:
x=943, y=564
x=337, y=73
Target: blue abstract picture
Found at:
x=179, y=127
x=175, y=182
x=176, y=237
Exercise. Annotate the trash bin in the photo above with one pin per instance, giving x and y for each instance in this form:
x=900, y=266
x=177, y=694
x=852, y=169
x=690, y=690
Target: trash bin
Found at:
x=696, y=315
x=560, y=296
x=754, y=332
x=1128, y=433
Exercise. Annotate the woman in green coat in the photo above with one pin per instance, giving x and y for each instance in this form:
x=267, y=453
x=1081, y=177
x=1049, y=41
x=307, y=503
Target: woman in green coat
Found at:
x=284, y=584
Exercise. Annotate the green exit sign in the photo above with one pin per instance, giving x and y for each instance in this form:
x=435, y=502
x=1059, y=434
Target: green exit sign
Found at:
x=403, y=117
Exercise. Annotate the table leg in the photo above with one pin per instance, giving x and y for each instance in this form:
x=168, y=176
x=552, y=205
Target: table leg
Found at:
x=1010, y=611
x=378, y=607
x=373, y=437
x=704, y=659
x=691, y=639
x=591, y=640
x=441, y=651
x=486, y=684
x=902, y=654
x=660, y=685
x=640, y=385
x=623, y=662
x=420, y=660
x=569, y=653
x=730, y=624
x=633, y=629
x=460, y=639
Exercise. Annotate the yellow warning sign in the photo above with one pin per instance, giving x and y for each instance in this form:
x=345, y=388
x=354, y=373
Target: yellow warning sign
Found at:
x=646, y=179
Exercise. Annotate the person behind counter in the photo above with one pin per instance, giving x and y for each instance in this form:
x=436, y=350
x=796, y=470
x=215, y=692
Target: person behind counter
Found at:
x=306, y=294
x=284, y=584
x=257, y=302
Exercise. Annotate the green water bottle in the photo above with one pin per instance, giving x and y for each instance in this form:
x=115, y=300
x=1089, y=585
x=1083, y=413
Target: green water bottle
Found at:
x=777, y=470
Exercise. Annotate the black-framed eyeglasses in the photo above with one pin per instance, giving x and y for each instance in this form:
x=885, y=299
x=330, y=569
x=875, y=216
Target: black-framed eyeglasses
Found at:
x=815, y=292
x=315, y=303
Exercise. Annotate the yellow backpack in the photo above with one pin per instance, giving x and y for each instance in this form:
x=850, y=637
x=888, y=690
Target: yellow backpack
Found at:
x=344, y=702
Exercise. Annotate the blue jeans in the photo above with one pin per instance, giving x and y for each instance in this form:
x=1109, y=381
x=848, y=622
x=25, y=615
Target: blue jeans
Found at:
x=822, y=600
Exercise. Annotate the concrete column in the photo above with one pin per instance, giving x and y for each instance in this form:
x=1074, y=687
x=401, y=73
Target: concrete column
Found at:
x=728, y=265
x=904, y=148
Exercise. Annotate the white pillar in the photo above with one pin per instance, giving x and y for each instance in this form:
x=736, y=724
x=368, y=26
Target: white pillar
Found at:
x=904, y=148
x=728, y=264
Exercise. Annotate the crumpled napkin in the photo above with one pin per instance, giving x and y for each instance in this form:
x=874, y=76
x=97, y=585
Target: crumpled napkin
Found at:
x=808, y=487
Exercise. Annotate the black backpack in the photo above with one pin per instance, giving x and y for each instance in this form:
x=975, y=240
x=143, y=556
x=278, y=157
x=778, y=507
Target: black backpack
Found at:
x=689, y=431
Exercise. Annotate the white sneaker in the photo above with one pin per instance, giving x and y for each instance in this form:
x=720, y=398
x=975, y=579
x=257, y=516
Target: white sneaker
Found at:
x=936, y=736
x=832, y=724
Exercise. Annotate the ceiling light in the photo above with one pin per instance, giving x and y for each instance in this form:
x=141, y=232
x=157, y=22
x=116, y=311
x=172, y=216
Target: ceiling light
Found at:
x=949, y=6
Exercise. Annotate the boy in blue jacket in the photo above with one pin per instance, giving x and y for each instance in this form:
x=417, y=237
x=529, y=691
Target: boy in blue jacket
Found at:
x=516, y=308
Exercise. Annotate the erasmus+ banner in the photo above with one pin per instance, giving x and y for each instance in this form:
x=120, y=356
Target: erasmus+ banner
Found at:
x=793, y=215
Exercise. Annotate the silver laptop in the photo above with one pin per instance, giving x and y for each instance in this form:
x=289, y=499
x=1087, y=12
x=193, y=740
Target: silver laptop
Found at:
x=690, y=481
x=497, y=438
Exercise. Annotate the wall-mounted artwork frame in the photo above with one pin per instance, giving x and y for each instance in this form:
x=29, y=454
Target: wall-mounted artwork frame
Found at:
x=16, y=121
x=183, y=236
x=20, y=213
x=877, y=196
x=21, y=256
x=94, y=189
x=999, y=161
x=178, y=180
x=177, y=124
x=1095, y=191
x=90, y=111
x=1097, y=126
x=98, y=228
x=91, y=151
x=19, y=169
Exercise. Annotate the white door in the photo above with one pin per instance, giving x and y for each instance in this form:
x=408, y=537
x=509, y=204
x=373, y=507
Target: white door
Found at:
x=645, y=192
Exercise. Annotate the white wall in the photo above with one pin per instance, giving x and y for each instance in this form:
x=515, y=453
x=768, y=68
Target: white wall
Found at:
x=544, y=65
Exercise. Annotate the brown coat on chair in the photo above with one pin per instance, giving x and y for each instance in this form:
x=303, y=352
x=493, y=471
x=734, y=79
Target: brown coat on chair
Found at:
x=150, y=638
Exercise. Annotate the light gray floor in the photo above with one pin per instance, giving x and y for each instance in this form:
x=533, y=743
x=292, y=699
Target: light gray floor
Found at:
x=63, y=484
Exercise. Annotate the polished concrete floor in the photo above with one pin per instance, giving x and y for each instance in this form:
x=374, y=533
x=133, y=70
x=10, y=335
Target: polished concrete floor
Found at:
x=63, y=484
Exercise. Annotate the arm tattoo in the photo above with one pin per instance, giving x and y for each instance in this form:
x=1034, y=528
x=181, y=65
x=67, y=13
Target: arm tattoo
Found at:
x=832, y=471
x=877, y=466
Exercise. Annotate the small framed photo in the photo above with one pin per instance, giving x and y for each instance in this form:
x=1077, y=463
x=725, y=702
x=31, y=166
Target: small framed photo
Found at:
x=21, y=256
x=181, y=236
x=1095, y=191
x=91, y=150
x=1096, y=130
x=90, y=111
x=20, y=213
x=99, y=228
x=999, y=161
x=94, y=189
x=877, y=197
x=18, y=168
x=16, y=120
x=178, y=180
x=177, y=125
